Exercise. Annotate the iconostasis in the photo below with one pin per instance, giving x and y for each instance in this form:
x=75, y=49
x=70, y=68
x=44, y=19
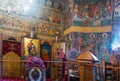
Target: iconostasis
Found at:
x=17, y=18
x=20, y=50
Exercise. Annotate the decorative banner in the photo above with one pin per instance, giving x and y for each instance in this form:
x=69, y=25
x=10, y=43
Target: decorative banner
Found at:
x=11, y=46
x=11, y=51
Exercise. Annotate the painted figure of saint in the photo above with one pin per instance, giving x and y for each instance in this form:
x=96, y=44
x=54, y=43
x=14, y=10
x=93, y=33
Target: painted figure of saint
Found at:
x=45, y=57
x=91, y=10
x=31, y=49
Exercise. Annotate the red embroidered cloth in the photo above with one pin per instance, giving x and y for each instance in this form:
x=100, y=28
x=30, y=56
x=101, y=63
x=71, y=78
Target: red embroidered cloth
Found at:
x=11, y=46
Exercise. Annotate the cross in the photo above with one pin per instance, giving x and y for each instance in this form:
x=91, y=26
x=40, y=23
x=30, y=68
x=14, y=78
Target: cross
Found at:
x=12, y=46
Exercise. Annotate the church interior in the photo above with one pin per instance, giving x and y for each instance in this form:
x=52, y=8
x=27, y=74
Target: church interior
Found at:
x=59, y=40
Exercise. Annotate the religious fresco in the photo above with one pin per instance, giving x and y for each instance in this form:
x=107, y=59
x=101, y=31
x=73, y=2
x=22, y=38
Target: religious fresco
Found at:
x=6, y=34
x=87, y=13
x=13, y=7
x=44, y=16
x=22, y=25
x=92, y=13
x=53, y=4
x=98, y=43
x=12, y=22
x=67, y=6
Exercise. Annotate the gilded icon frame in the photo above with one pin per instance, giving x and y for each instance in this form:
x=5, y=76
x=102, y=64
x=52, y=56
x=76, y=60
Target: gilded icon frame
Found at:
x=36, y=44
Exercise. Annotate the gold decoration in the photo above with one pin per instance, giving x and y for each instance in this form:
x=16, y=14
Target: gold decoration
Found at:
x=11, y=69
x=88, y=29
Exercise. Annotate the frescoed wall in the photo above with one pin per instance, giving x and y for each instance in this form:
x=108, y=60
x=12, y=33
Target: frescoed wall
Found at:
x=67, y=6
x=44, y=16
x=90, y=13
x=30, y=9
x=98, y=43
x=85, y=29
